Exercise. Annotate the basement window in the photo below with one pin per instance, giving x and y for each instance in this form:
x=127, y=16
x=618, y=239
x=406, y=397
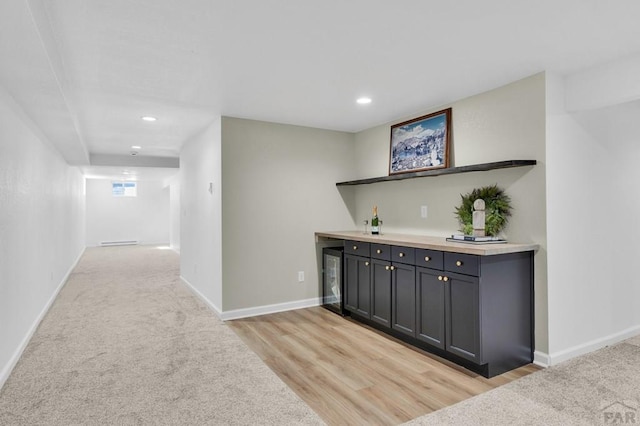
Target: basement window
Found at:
x=124, y=189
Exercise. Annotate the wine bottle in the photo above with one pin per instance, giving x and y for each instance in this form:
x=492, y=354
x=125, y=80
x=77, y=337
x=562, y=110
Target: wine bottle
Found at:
x=375, y=227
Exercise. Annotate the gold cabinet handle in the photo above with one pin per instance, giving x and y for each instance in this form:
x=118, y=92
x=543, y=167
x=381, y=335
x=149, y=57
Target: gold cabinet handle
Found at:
x=355, y=247
x=427, y=258
x=439, y=277
x=393, y=268
x=445, y=279
x=459, y=263
x=378, y=251
x=366, y=263
x=386, y=267
x=401, y=254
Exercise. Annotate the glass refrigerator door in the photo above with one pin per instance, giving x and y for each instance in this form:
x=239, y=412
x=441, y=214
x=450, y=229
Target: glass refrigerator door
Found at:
x=332, y=273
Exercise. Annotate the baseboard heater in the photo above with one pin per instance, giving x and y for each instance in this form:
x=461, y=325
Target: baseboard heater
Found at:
x=118, y=243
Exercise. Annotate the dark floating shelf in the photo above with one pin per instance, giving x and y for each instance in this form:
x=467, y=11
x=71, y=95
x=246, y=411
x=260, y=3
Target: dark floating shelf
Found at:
x=439, y=172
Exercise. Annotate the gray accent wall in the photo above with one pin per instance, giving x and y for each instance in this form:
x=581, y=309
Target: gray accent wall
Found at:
x=278, y=188
x=507, y=123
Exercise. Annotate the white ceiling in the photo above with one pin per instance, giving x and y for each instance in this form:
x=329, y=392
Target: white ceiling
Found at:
x=85, y=71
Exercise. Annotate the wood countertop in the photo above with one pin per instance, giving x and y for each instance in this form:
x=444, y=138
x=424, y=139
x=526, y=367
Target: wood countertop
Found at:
x=426, y=242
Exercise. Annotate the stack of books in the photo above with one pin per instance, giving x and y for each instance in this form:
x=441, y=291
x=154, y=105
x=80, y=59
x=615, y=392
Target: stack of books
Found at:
x=470, y=239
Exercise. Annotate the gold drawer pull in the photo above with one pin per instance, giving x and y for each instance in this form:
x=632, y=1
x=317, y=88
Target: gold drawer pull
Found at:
x=378, y=251
x=427, y=258
x=366, y=263
x=355, y=247
x=459, y=263
x=445, y=279
x=393, y=268
x=401, y=254
x=386, y=267
x=439, y=277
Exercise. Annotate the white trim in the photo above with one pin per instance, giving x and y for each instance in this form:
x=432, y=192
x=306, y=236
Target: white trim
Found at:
x=270, y=309
x=612, y=339
x=119, y=243
x=254, y=311
x=8, y=368
x=202, y=297
x=541, y=359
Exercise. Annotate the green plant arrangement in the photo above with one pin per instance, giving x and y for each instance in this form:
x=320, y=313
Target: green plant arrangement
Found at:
x=497, y=209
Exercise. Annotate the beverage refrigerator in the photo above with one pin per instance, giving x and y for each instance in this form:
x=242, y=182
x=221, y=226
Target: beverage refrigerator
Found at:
x=332, y=283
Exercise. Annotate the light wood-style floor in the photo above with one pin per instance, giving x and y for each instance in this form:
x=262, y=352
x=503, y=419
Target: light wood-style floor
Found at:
x=351, y=374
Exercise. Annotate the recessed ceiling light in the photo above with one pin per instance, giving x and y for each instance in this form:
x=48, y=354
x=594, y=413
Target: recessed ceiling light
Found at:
x=364, y=100
x=136, y=147
x=149, y=118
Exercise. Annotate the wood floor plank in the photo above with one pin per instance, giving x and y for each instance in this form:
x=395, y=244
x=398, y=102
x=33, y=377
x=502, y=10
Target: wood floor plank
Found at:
x=351, y=374
x=353, y=404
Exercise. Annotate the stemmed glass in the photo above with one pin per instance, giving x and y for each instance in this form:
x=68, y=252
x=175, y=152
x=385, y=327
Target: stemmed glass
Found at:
x=366, y=222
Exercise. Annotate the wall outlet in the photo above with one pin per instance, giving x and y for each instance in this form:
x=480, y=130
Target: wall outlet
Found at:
x=300, y=276
x=423, y=212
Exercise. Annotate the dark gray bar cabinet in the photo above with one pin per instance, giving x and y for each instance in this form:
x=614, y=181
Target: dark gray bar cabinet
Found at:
x=471, y=304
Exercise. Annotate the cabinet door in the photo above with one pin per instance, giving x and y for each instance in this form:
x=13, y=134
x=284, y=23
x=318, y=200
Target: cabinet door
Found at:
x=364, y=287
x=357, y=296
x=430, y=305
x=462, y=316
x=351, y=282
x=381, y=292
x=403, y=298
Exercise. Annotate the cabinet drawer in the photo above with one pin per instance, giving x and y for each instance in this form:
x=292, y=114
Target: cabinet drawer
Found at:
x=358, y=248
x=380, y=251
x=467, y=264
x=403, y=255
x=429, y=259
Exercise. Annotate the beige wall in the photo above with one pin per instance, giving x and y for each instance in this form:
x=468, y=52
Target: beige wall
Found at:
x=278, y=188
x=507, y=123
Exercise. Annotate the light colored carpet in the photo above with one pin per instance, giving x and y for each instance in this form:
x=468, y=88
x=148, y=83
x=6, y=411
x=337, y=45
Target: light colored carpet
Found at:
x=126, y=343
x=602, y=387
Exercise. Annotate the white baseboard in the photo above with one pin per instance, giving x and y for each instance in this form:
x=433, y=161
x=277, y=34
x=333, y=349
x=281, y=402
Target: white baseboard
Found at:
x=8, y=368
x=541, y=359
x=202, y=297
x=270, y=309
x=545, y=360
x=255, y=311
x=566, y=354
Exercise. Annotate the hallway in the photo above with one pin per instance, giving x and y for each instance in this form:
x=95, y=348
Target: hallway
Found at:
x=127, y=343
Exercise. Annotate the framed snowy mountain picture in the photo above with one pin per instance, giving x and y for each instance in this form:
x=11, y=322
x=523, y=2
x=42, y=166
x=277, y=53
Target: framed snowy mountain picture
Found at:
x=421, y=143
